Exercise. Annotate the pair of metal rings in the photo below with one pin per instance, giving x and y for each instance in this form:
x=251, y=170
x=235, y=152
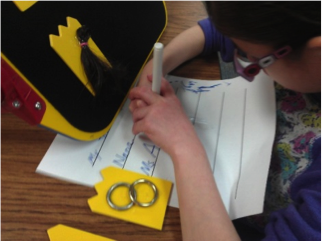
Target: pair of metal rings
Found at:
x=132, y=194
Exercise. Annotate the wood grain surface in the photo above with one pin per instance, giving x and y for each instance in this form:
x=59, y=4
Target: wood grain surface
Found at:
x=32, y=203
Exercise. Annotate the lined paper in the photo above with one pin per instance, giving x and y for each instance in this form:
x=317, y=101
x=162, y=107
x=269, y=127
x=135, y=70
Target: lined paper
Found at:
x=234, y=119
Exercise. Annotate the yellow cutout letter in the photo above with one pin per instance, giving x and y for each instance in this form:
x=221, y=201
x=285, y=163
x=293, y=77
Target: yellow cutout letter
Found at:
x=67, y=47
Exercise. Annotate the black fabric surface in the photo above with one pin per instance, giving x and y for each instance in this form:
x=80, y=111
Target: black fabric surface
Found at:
x=125, y=32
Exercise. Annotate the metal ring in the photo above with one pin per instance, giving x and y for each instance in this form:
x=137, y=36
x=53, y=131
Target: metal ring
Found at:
x=109, y=194
x=133, y=193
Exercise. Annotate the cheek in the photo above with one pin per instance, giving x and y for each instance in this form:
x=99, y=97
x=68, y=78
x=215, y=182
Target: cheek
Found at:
x=297, y=76
x=285, y=75
x=278, y=74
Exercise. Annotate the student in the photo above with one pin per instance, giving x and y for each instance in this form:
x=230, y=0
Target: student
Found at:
x=257, y=32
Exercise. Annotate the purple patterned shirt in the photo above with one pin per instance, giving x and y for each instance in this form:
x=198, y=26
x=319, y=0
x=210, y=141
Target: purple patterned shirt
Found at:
x=292, y=209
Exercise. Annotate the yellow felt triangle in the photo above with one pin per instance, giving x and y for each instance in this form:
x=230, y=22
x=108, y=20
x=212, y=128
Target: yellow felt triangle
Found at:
x=152, y=216
x=24, y=5
x=62, y=232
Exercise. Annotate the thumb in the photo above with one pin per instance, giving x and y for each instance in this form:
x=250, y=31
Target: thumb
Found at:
x=149, y=77
x=166, y=88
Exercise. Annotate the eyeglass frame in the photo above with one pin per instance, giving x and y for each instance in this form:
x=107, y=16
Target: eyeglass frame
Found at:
x=259, y=64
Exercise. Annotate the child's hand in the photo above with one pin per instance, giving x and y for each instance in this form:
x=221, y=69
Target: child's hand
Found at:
x=161, y=118
x=138, y=102
x=146, y=73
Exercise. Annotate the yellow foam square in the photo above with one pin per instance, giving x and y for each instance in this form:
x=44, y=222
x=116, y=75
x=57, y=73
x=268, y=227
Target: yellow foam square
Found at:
x=62, y=232
x=152, y=216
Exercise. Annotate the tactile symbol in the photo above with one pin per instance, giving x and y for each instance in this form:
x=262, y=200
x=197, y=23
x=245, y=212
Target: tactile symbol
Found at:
x=66, y=45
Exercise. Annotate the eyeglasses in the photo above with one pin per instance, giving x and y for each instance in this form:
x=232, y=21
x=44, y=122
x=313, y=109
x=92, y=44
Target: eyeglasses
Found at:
x=251, y=70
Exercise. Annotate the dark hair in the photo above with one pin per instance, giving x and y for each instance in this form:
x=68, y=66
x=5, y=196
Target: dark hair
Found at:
x=101, y=74
x=275, y=23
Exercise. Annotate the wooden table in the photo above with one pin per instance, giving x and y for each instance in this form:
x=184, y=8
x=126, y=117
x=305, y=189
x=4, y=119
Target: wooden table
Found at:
x=32, y=203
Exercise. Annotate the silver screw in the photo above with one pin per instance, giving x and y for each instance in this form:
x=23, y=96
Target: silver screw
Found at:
x=16, y=104
x=38, y=105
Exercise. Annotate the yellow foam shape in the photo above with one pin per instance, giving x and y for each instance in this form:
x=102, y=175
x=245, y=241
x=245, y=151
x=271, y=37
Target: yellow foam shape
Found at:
x=66, y=45
x=62, y=232
x=152, y=216
x=24, y=5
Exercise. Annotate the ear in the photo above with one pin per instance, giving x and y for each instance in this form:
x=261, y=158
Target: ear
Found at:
x=314, y=42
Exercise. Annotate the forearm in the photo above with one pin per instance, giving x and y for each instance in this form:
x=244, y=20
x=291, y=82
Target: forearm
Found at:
x=183, y=47
x=203, y=215
x=164, y=121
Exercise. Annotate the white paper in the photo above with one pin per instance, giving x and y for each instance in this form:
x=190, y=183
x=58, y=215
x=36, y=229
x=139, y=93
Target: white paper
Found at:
x=234, y=119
